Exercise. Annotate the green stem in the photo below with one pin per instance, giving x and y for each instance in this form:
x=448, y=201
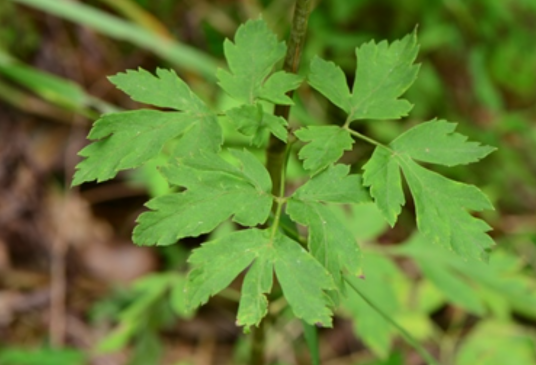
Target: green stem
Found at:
x=368, y=139
x=278, y=151
x=407, y=336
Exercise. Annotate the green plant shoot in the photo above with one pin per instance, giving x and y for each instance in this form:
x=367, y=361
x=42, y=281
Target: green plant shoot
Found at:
x=215, y=184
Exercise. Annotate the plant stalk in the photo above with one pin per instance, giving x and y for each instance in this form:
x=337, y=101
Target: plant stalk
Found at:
x=276, y=152
x=405, y=334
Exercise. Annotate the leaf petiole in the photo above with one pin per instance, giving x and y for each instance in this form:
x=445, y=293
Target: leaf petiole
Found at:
x=367, y=139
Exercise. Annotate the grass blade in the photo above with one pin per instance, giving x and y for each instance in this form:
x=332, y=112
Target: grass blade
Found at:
x=65, y=94
x=183, y=56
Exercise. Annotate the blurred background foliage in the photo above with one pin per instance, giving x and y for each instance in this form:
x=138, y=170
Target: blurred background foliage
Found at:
x=74, y=290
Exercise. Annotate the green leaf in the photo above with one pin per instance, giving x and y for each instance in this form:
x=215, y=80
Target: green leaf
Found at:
x=251, y=59
x=148, y=176
x=365, y=221
x=303, y=280
x=385, y=71
x=382, y=174
x=333, y=185
x=258, y=282
x=330, y=242
x=276, y=125
x=246, y=118
x=275, y=88
x=330, y=81
x=501, y=280
x=253, y=170
x=250, y=120
x=215, y=191
x=217, y=263
x=435, y=142
x=455, y=288
x=148, y=130
x=497, y=343
x=177, y=298
x=377, y=286
x=165, y=90
x=442, y=215
x=204, y=135
x=441, y=204
x=327, y=144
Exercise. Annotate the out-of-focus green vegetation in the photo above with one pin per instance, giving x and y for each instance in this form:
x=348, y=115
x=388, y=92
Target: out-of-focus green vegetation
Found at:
x=478, y=69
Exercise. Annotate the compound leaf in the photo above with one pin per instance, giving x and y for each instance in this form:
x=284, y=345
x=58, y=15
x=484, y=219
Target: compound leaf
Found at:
x=251, y=58
x=384, y=72
x=327, y=144
x=441, y=204
x=302, y=278
x=215, y=191
x=130, y=139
